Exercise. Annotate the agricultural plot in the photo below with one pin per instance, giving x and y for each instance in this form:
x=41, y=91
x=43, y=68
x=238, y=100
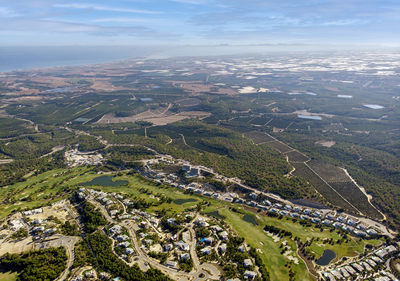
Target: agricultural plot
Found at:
x=325, y=190
x=259, y=137
x=329, y=172
x=281, y=147
x=295, y=156
x=354, y=195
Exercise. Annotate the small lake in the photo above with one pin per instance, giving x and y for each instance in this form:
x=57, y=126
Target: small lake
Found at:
x=250, y=218
x=182, y=201
x=311, y=117
x=326, y=257
x=373, y=106
x=104, y=181
x=216, y=214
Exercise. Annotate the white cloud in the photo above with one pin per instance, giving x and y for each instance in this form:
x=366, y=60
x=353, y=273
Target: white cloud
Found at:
x=104, y=8
x=7, y=13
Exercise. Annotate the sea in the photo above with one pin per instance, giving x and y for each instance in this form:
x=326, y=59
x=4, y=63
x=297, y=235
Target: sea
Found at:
x=29, y=57
x=23, y=58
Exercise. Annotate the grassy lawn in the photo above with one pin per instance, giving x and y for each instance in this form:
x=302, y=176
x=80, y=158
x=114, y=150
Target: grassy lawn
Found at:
x=40, y=190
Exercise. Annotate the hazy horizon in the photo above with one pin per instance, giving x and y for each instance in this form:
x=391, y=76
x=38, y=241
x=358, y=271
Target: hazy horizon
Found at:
x=200, y=23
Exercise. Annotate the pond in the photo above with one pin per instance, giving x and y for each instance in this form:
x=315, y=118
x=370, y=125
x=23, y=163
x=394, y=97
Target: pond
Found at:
x=250, y=218
x=181, y=201
x=326, y=257
x=216, y=214
x=104, y=181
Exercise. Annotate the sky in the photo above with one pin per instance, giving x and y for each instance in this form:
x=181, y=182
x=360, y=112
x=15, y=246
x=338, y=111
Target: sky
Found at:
x=200, y=22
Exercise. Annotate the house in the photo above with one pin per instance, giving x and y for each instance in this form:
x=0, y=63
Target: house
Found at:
x=38, y=229
x=267, y=202
x=208, y=240
x=366, y=266
x=182, y=246
x=297, y=209
x=223, y=235
x=357, y=267
x=359, y=233
x=90, y=274
x=329, y=276
x=222, y=248
x=316, y=220
x=168, y=247
x=16, y=224
x=316, y=214
x=329, y=217
x=307, y=211
x=206, y=251
x=37, y=221
x=337, y=225
x=171, y=264
x=186, y=168
x=129, y=251
x=253, y=195
x=371, y=262
x=116, y=229
x=288, y=207
x=125, y=244
x=113, y=213
x=336, y=274
x=350, y=270
x=242, y=248
x=278, y=206
x=327, y=222
x=371, y=232
x=50, y=231
x=193, y=173
x=121, y=238
x=216, y=228
x=247, y=263
x=249, y=275
x=283, y=213
x=171, y=221
x=351, y=222
x=344, y=272
x=376, y=259
x=184, y=256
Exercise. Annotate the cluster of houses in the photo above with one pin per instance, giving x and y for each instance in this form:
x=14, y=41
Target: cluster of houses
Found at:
x=177, y=247
x=347, y=223
x=217, y=241
x=369, y=267
x=121, y=241
x=38, y=228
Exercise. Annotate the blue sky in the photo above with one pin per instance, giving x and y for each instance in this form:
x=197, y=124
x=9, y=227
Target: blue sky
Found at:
x=199, y=22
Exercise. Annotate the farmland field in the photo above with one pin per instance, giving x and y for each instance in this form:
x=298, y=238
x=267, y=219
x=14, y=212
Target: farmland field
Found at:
x=329, y=172
x=295, y=156
x=258, y=137
x=281, y=147
x=303, y=171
